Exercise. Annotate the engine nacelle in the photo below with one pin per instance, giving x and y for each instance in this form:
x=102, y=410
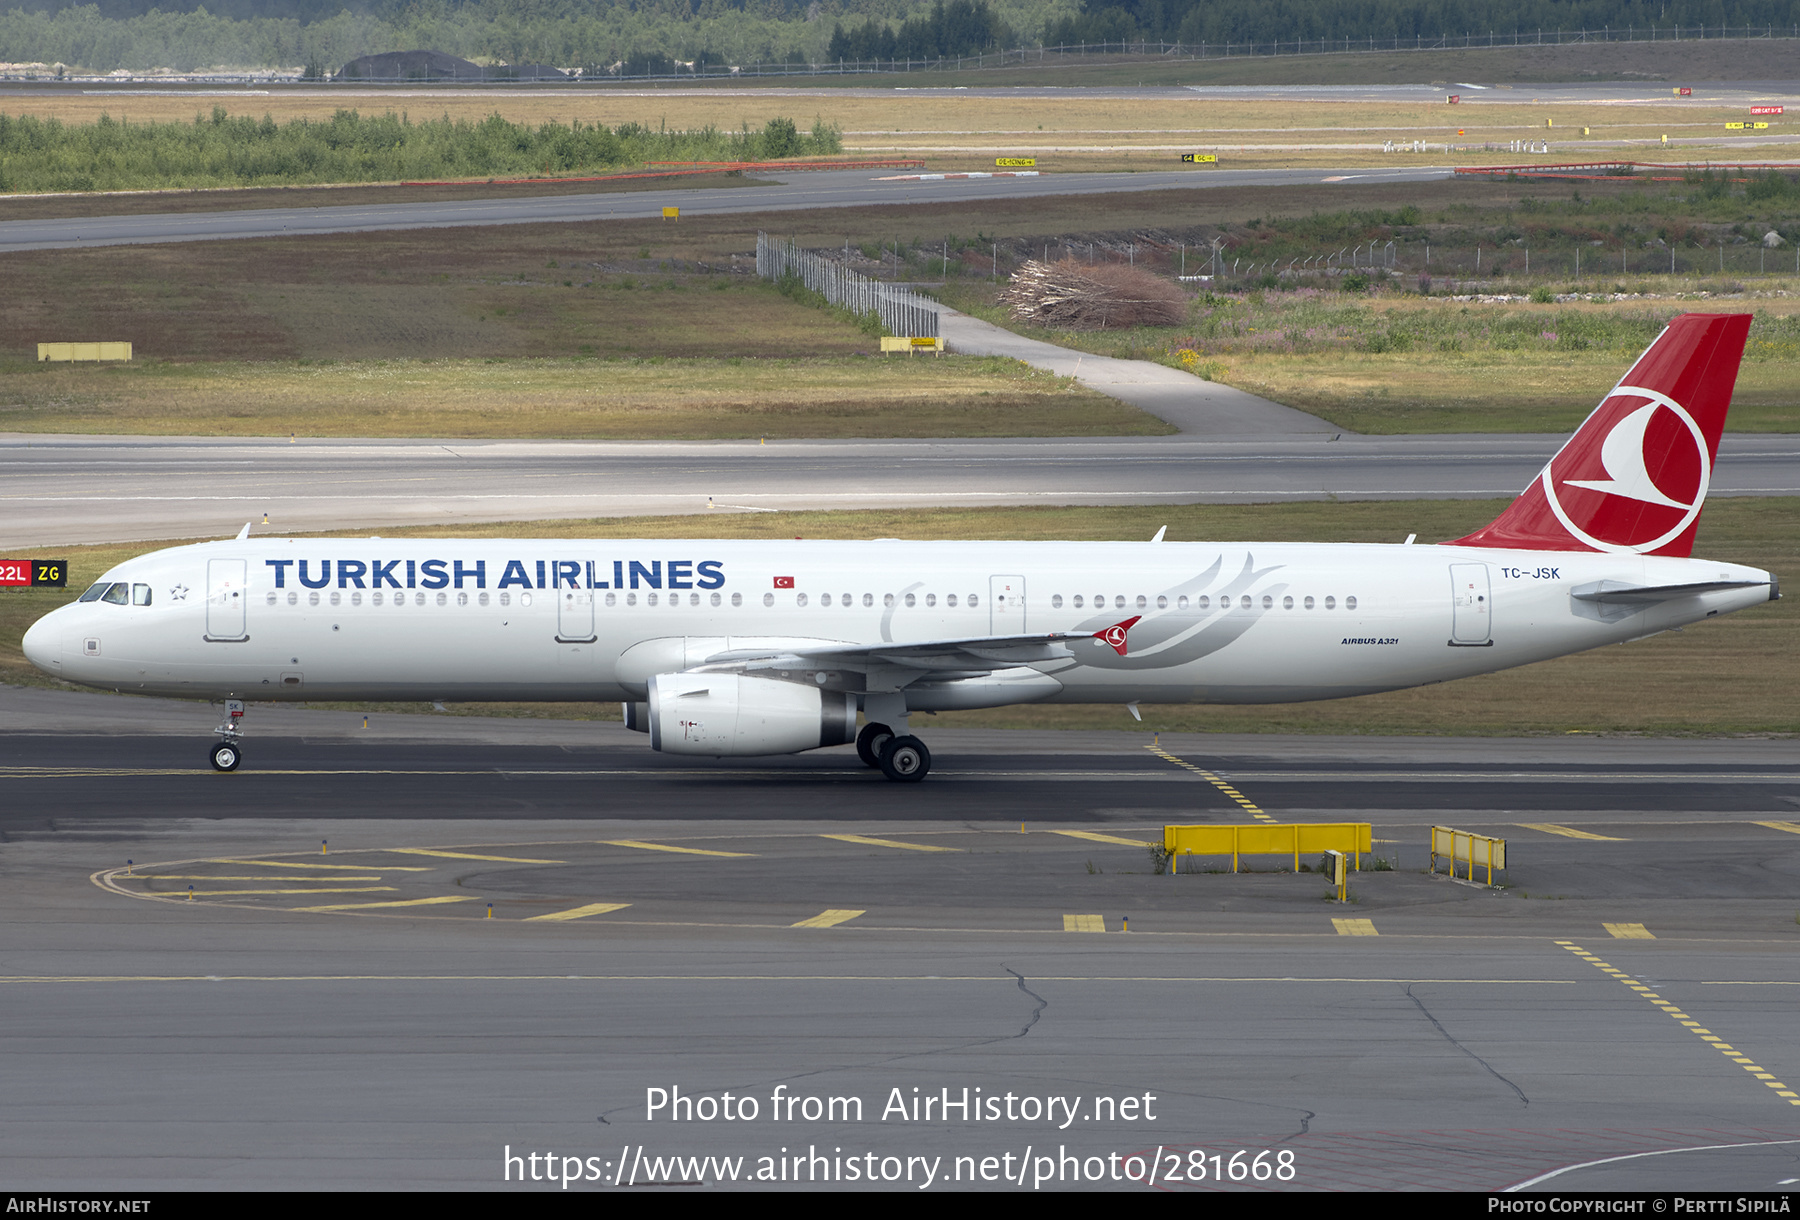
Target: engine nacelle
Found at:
x=720, y=714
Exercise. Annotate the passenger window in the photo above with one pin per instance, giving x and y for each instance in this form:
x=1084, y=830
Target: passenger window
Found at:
x=483, y=599
x=272, y=599
x=911, y=600
x=931, y=599
x=715, y=598
x=1056, y=601
x=1331, y=603
x=612, y=599
x=824, y=599
x=737, y=599
x=1142, y=601
x=768, y=599
x=1203, y=602
x=1162, y=603
x=1349, y=603
x=1181, y=603
x=1078, y=601
x=868, y=599
x=800, y=599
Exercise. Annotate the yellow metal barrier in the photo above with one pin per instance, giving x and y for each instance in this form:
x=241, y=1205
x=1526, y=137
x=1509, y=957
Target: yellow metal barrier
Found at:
x=1269, y=839
x=84, y=351
x=1474, y=849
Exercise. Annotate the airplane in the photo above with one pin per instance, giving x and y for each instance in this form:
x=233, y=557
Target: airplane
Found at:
x=742, y=648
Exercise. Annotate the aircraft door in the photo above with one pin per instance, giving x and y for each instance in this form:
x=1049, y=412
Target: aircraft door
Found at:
x=1471, y=619
x=225, y=599
x=1006, y=605
x=575, y=616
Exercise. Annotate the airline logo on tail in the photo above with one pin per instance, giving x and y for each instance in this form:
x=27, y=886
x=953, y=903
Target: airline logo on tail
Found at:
x=1643, y=485
x=1634, y=477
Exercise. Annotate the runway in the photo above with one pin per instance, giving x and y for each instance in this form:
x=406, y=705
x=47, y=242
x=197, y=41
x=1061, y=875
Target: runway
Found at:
x=68, y=490
x=417, y=950
x=799, y=192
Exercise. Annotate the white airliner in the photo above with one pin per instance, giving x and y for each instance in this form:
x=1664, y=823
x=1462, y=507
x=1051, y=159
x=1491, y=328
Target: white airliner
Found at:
x=749, y=648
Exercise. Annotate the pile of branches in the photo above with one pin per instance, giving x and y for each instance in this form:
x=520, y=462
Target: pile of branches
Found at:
x=1092, y=296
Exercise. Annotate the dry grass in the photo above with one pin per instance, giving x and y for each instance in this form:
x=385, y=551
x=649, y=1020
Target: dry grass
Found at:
x=591, y=399
x=1740, y=674
x=1483, y=391
x=1076, y=132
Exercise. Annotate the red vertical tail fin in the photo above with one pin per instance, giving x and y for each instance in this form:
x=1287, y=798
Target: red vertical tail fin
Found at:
x=1634, y=476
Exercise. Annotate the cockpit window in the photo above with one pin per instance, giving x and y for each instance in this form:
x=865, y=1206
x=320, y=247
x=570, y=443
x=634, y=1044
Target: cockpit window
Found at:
x=118, y=595
x=140, y=595
x=93, y=594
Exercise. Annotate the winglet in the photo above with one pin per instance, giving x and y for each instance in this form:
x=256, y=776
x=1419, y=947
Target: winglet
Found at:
x=1115, y=634
x=243, y=533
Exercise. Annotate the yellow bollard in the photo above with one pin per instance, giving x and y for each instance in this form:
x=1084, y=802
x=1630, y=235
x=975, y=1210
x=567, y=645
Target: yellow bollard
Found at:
x=490, y=913
x=1127, y=927
x=190, y=893
x=323, y=848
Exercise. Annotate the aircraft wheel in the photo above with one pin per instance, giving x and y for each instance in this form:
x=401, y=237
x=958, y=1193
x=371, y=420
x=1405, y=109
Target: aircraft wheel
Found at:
x=870, y=741
x=905, y=759
x=226, y=757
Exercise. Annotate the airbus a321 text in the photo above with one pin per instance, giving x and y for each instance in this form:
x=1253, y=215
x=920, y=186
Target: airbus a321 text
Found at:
x=753, y=648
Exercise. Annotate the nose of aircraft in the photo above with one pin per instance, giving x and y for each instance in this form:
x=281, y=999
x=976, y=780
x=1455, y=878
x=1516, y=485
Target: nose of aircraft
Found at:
x=43, y=645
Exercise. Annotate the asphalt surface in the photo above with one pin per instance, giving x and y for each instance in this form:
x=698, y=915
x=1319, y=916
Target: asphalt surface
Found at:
x=417, y=949
x=802, y=192
x=57, y=490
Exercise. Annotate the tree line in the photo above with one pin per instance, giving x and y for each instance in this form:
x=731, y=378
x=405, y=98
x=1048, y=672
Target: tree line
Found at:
x=134, y=34
x=221, y=149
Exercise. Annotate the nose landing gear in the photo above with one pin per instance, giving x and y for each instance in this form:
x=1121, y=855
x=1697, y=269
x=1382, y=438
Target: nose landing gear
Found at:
x=228, y=752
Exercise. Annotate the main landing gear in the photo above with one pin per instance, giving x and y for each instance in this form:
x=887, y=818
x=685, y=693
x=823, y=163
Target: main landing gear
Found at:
x=904, y=759
x=228, y=752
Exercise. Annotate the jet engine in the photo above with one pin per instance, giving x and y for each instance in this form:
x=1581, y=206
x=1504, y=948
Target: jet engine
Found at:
x=724, y=713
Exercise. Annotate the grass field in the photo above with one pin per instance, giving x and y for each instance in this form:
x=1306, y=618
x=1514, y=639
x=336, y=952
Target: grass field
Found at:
x=1738, y=675
x=1408, y=364
x=1072, y=132
x=659, y=398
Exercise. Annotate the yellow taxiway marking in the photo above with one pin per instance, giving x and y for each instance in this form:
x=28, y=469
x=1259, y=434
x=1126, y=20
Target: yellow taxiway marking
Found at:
x=405, y=902
x=592, y=908
x=686, y=851
x=868, y=842
x=227, y=877
x=1792, y=828
x=1083, y=923
x=339, y=868
x=1096, y=837
x=1222, y=784
x=1355, y=927
x=349, y=889
x=1688, y=1023
x=1629, y=931
x=463, y=855
x=1550, y=828
x=827, y=919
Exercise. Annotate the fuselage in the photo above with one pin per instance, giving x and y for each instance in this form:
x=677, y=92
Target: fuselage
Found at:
x=380, y=619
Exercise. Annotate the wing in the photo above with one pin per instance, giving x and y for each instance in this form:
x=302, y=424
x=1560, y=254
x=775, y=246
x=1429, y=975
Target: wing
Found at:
x=937, y=658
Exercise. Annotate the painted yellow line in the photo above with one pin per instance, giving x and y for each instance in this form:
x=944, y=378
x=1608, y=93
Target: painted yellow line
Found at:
x=592, y=908
x=228, y=877
x=349, y=889
x=1096, y=837
x=686, y=851
x=868, y=842
x=1688, y=1023
x=1792, y=828
x=827, y=919
x=372, y=906
x=1083, y=923
x=1550, y=828
x=392, y=868
x=1223, y=785
x=463, y=855
x=1355, y=927
x=1629, y=931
